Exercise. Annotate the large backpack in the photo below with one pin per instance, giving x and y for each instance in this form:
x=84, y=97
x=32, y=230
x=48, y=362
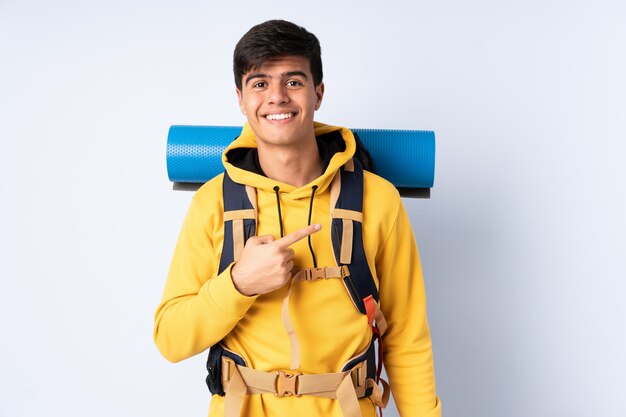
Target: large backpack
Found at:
x=351, y=267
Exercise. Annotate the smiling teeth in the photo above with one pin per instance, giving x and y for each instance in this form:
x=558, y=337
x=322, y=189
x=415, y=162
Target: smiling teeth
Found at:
x=281, y=116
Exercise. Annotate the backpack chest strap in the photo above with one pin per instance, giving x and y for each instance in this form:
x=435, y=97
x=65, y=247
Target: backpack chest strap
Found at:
x=312, y=274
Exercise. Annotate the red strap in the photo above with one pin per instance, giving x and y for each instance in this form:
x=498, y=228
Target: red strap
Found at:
x=370, y=309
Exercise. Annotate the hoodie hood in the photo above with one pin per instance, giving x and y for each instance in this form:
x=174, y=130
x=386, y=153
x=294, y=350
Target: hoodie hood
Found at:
x=336, y=144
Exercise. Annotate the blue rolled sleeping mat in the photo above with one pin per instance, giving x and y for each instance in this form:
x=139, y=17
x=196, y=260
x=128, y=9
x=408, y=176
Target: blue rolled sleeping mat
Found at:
x=406, y=158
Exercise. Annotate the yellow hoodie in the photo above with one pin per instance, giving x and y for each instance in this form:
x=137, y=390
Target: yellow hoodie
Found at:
x=201, y=307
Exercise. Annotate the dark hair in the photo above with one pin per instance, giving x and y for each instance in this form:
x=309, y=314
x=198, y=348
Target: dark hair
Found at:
x=273, y=39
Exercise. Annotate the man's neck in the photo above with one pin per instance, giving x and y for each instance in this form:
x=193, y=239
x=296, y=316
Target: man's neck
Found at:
x=295, y=166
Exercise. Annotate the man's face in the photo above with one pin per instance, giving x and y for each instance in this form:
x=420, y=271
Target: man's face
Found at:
x=279, y=99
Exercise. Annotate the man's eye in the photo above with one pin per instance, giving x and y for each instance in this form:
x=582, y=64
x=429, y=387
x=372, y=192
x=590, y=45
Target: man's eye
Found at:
x=294, y=83
x=260, y=84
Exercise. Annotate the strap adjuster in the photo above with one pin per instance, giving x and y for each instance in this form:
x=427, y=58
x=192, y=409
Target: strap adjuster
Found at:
x=287, y=384
x=345, y=271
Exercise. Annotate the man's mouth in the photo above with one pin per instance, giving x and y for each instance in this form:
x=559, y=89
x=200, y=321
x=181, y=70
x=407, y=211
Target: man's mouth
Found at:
x=279, y=116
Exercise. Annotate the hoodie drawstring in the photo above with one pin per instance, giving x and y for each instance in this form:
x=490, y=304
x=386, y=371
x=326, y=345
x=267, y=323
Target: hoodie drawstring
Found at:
x=280, y=218
x=280, y=215
x=309, y=237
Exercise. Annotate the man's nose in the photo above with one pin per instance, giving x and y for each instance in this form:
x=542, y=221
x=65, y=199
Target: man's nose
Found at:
x=278, y=94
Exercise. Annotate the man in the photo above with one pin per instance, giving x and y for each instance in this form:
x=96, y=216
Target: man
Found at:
x=284, y=330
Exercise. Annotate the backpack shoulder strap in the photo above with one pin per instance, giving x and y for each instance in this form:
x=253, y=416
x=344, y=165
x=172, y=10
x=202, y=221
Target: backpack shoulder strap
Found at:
x=347, y=234
x=240, y=217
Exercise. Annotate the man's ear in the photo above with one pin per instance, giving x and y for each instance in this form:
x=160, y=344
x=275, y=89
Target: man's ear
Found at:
x=239, y=99
x=319, y=91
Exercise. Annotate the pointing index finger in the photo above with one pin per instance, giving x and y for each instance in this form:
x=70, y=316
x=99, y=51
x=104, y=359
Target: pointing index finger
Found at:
x=300, y=234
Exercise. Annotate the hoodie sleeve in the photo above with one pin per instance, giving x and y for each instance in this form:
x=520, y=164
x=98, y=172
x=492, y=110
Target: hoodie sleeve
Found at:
x=199, y=307
x=407, y=345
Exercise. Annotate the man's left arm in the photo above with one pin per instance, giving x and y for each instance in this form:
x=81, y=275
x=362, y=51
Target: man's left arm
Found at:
x=407, y=345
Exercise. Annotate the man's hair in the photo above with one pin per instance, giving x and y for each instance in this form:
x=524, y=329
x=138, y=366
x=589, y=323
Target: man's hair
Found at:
x=275, y=39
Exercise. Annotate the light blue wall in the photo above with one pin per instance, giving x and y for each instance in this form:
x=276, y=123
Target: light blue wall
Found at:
x=522, y=242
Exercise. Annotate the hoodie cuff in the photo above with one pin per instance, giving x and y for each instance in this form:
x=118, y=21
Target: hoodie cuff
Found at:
x=226, y=297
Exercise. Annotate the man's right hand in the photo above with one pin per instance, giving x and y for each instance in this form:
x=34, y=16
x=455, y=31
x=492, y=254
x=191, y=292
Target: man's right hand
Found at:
x=266, y=263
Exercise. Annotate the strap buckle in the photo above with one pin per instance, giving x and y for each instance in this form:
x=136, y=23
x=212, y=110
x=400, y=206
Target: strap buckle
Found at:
x=287, y=384
x=314, y=274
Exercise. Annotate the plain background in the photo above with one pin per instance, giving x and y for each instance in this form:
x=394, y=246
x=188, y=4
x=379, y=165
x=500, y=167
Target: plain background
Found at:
x=523, y=240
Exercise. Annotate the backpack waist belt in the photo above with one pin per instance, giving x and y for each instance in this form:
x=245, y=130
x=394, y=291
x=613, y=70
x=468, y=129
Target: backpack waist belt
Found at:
x=346, y=387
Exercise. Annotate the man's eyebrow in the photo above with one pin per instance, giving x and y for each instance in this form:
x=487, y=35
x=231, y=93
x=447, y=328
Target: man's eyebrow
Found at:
x=284, y=74
x=253, y=76
x=294, y=73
